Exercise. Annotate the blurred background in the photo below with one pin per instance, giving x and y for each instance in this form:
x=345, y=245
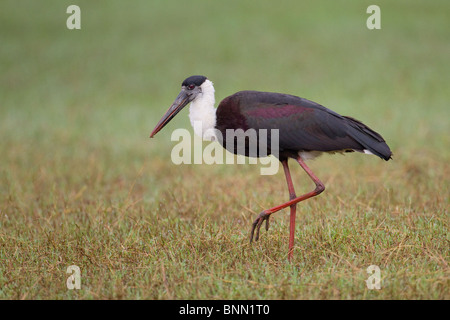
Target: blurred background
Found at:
x=77, y=106
x=67, y=96
x=108, y=83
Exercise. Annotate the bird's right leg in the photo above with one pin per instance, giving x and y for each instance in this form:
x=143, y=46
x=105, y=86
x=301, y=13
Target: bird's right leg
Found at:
x=293, y=207
x=264, y=216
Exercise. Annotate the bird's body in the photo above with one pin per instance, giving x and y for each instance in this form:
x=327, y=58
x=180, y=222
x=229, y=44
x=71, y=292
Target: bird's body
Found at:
x=305, y=130
x=304, y=126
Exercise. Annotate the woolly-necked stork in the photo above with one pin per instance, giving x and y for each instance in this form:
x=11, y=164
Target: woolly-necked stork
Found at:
x=306, y=130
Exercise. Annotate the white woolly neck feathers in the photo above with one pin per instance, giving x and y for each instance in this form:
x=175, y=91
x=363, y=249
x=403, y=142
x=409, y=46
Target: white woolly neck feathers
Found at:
x=202, y=111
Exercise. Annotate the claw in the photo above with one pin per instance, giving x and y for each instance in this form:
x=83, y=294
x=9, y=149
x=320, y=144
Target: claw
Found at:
x=257, y=225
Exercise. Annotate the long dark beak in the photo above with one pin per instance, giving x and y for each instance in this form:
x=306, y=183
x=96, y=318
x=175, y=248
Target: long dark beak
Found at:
x=180, y=102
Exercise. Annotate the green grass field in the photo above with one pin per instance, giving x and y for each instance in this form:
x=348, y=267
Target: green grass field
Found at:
x=82, y=184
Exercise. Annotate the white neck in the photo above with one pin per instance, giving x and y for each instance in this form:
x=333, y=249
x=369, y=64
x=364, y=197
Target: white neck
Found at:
x=202, y=112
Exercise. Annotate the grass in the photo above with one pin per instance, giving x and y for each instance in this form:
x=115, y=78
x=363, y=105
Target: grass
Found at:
x=81, y=183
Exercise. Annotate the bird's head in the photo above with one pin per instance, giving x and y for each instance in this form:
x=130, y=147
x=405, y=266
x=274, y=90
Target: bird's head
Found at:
x=191, y=88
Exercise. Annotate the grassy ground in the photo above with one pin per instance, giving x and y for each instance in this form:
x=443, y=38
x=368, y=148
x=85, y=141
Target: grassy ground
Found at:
x=81, y=183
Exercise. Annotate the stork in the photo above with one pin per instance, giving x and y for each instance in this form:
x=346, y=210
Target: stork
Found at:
x=306, y=130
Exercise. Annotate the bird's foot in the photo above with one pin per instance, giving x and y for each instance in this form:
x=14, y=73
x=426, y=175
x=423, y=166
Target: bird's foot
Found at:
x=257, y=224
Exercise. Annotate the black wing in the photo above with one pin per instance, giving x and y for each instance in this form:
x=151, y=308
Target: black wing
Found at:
x=307, y=126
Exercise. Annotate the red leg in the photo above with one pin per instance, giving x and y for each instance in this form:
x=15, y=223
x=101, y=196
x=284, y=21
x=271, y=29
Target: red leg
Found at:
x=293, y=207
x=291, y=203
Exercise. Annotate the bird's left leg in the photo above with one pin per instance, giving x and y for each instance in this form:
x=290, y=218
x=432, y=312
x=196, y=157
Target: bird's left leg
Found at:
x=266, y=213
x=264, y=216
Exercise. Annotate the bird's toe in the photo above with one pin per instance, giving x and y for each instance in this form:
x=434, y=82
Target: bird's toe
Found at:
x=257, y=225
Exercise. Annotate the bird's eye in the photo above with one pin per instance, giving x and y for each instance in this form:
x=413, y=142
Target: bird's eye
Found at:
x=191, y=86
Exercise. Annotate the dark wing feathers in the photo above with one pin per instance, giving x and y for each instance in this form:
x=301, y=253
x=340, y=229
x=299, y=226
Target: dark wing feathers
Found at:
x=368, y=138
x=305, y=125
